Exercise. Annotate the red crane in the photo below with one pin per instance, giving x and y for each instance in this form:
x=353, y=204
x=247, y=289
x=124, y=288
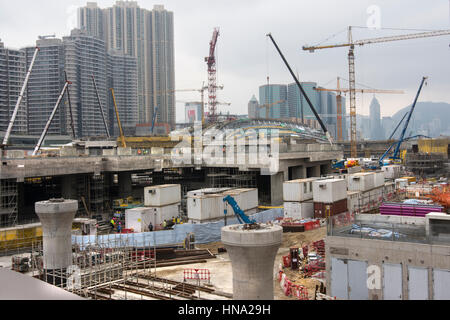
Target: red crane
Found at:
x=212, y=77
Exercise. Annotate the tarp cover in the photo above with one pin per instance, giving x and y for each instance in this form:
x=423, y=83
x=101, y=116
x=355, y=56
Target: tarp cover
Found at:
x=204, y=233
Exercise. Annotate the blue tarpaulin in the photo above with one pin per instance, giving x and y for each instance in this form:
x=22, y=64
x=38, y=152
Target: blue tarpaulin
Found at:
x=204, y=233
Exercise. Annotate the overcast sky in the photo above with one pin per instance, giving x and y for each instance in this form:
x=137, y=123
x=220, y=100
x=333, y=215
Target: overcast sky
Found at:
x=246, y=57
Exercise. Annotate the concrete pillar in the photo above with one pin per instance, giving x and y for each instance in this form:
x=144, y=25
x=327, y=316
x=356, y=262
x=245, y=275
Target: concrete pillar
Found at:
x=252, y=254
x=125, y=184
x=68, y=187
x=298, y=172
x=276, y=188
x=56, y=217
x=316, y=171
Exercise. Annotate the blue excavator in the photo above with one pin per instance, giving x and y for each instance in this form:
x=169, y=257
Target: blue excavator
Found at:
x=242, y=217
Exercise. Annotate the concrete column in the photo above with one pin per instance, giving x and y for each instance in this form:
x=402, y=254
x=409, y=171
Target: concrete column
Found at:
x=56, y=217
x=252, y=254
x=298, y=172
x=316, y=171
x=68, y=185
x=125, y=184
x=276, y=188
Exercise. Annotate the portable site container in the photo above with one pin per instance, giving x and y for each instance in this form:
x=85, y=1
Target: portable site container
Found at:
x=298, y=190
x=362, y=181
x=323, y=210
x=139, y=219
x=247, y=198
x=379, y=178
x=391, y=171
x=299, y=210
x=158, y=196
x=329, y=190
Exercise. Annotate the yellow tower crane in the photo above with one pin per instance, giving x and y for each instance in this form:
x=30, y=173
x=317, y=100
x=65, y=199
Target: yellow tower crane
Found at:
x=270, y=106
x=351, y=63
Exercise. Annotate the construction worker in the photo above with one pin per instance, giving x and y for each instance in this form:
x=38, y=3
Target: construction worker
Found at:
x=113, y=224
x=119, y=227
x=150, y=227
x=164, y=224
x=178, y=220
x=173, y=220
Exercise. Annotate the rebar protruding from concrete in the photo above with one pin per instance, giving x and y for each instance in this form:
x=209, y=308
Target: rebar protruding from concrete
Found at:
x=56, y=216
x=252, y=253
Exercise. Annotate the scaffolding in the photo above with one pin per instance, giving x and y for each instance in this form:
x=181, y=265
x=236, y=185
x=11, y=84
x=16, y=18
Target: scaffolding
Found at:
x=8, y=202
x=231, y=178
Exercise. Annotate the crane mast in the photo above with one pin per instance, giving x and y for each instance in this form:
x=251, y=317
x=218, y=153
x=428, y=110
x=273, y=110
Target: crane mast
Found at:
x=212, y=76
x=351, y=64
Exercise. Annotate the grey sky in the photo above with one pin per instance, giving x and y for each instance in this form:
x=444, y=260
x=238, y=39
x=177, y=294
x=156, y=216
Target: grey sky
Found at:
x=246, y=57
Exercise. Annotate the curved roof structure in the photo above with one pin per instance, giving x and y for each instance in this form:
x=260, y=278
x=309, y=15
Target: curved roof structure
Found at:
x=247, y=127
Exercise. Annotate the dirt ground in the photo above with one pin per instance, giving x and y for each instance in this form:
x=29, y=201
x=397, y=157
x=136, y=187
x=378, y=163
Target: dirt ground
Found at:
x=289, y=240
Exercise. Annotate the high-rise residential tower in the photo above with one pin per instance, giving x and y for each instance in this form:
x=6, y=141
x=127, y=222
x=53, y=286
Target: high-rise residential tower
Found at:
x=12, y=75
x=85, y=56
x=44, y=87
x=149, y=37
x=122, y=77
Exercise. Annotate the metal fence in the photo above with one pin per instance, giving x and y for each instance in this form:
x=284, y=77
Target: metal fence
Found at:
x=354, y=226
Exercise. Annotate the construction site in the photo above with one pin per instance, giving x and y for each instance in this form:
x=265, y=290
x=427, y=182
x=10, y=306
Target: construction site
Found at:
x=227, y=209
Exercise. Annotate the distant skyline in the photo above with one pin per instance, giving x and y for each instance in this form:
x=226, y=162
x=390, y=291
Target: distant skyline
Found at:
x=246, y=57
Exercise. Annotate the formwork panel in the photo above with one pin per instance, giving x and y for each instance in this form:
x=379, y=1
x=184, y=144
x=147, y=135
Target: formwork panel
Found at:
x=417, y=283
x=339, y=279
x=357, y=280
x=441, y=279
x=392, y=282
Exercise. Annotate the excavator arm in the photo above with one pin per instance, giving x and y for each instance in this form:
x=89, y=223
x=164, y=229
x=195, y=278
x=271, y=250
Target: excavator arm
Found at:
x=242, y=217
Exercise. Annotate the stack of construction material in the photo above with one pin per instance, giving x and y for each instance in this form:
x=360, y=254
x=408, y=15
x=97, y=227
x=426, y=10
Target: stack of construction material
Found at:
x=330, y=197
x=298, y=198
x=391, y=171
x=161, y=203
x=412, y=210
x=208, y=205
x=20, y=264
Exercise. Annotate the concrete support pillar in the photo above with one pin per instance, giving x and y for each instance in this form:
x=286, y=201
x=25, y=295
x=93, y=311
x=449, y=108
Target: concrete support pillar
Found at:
x=56, y=217
x=125, y=184
x=68, y=187
x=325, y=169
x=316, y=171
x=252, y=254
x=298, y=172
x=276, y=188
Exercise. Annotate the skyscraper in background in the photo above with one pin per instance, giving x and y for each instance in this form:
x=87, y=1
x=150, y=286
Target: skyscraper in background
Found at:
x=270, y=94
x=85, y=56
x=253, y=108
x=149, y=37
x=12, y=75
x=375, y=120
x=44, y=87
x=325, y=104
x=122, y=76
